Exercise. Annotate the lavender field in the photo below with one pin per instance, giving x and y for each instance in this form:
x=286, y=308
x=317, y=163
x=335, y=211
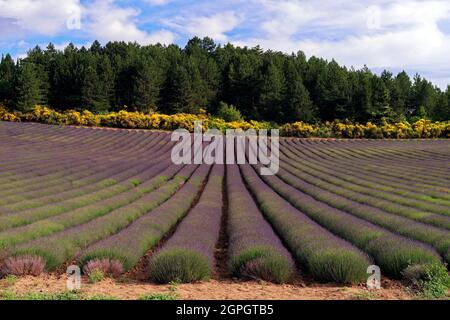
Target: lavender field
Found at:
x=113, y=201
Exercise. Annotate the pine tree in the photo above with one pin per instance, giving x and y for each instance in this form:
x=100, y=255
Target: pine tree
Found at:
x=381, y=100
x=332, y=89
x=41, y=64
x=28, y=87
x=272, y=89
x=423, y=97
x=298, y=105
x=362, y=97
x=177, y=93
x=400, y=94
x=7, y=74
x=146, y=87
x=442, y=110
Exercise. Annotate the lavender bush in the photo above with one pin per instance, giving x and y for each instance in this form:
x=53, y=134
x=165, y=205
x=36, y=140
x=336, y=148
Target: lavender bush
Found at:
x=255, y=251
x=131, y=244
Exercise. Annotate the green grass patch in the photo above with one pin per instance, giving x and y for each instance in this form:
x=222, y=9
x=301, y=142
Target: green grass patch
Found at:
x=159, y=296
x=64, y=295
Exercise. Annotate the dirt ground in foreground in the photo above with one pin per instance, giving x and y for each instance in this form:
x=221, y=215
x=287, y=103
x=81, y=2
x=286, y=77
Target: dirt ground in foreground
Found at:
x=210, y=290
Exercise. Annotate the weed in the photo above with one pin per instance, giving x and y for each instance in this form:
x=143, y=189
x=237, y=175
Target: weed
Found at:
x=96, y=275
x=429, y=281
x=159, y=296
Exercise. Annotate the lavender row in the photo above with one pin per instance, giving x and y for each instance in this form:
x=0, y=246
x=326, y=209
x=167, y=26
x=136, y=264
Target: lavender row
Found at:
x=255, y=251
x=54, y=169
x=393, y=203
x=68, y=244
x=390, y=168
x=370, y=179
x=325, y=256
x=351, y=152
x=37, y=150
x=387, y=173
x=121, y=195
x=31, y=215
x=189, y=254
x=97, y=150
x=127, y=247
x=111, y=175
x=382, y=205
x=436, y=237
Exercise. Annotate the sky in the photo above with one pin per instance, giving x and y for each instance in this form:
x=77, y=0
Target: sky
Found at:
x=383, y=34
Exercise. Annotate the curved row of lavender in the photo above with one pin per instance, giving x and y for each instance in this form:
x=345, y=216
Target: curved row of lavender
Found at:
x=436, y=237
x=91, y=151
x=117, y=196
x=429, y=170
x=432, y=199
x=26, y=158
x=103, y=163
x=391, y=252
x=188, y=255
x=410, y=201
x=15, y=219
x=371, y=197
x=64, y=246
x=129, y=245
x=71, y=168
x=79, y=145
x=100, y=166
x=113, y=173
x=321, y=253
x=255, y=251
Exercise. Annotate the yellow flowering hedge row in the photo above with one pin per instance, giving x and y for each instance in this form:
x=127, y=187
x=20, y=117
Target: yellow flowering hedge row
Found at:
x=402, y=130
x=136, y=120
x=129, y=120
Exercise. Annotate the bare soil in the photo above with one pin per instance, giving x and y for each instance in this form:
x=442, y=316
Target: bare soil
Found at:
x=210, y=290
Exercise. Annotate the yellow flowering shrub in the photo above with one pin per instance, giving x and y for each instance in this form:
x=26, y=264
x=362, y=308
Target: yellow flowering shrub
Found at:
x=137, y=120
x=299, y=129
x=5, y=115
x=401, y=130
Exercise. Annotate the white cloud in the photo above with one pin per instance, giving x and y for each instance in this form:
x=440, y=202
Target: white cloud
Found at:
x=215, y=26
x=408, y=36
x=107, y=22
x=101, y=19
x=46, y=17
x=396, y=34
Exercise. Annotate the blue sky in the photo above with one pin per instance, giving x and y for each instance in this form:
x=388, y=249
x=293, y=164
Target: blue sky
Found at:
x=391, y=34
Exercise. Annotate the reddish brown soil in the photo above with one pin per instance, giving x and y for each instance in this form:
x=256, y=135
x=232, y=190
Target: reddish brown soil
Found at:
x=210, y=290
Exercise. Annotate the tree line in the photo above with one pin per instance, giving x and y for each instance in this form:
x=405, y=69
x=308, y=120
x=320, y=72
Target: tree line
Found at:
x=261, y=85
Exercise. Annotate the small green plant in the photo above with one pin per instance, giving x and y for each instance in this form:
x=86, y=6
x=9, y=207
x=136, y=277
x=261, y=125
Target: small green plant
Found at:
x=228, y=113
x=10, y=280
x=96, y=275
x=173, y=285
x=430, y=281
x=135, y=182
x=437, y=281
x=160, y=296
